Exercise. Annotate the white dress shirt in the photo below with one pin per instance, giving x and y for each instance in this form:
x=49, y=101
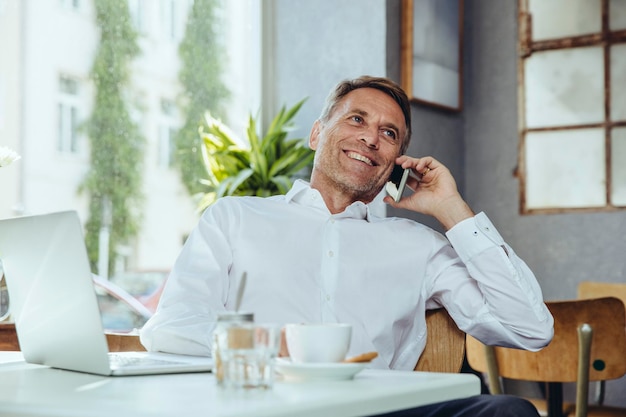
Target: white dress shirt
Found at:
x=305, y=264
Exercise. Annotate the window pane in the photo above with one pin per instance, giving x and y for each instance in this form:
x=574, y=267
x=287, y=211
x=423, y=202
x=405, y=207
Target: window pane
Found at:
x=435, y=69
x=617, y=18
x=561, y=18
x=61, y=127
x=136, y=9
x=565, y=169
x=564, y=87
x=618, y=82
x=618, y=168
x=73, y=130
x=68, y=85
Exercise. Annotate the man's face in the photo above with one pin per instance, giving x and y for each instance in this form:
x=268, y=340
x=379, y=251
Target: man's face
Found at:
x=357, y=147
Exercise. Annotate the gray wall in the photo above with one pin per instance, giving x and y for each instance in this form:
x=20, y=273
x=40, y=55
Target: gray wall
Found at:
x=317, y=43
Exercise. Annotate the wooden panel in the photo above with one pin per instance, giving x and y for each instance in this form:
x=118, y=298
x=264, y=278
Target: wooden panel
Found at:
x=558, y=361
x=445, y=346
x=8, y=337
x=118, y=342
x=123, y=342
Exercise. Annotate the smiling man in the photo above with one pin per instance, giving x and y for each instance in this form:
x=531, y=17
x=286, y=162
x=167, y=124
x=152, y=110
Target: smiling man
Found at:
x=317, y=254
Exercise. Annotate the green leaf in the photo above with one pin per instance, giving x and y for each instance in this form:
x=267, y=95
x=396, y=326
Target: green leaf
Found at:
x=239, y=179
x=283, y=183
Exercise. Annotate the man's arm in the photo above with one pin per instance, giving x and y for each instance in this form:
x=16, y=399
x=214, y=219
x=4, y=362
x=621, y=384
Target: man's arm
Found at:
x=193, y=295
x=502, y=303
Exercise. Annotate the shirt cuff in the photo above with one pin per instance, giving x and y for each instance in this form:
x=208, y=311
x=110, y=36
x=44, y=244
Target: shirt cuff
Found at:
x=473, y=236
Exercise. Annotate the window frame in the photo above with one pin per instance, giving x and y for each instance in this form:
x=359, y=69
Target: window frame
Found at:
x=526, y=47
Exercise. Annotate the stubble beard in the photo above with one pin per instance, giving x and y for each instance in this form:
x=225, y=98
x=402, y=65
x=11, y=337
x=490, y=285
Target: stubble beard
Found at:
x=364, y=191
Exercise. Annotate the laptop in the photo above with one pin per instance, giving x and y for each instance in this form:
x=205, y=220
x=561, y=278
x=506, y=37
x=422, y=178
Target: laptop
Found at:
x=54, y=302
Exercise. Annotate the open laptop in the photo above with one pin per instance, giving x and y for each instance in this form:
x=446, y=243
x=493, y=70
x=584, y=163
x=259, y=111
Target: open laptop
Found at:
x=54, y=303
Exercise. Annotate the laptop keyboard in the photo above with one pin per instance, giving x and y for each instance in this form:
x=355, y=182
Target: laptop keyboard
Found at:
x=121, y=361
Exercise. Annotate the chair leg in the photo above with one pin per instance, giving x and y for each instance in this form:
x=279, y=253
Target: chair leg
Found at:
x=585, y=333
x=554, y=397
x=493, y=374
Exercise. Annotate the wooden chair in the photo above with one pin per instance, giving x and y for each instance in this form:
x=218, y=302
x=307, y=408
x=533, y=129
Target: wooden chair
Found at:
x=445, y=345
x=589, y=345
x=593, y=289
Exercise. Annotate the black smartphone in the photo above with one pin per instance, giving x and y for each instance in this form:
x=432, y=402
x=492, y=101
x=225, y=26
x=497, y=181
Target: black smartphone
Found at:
x=397, y=182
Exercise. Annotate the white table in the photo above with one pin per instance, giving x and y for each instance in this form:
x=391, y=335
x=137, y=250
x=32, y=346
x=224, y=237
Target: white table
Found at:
x=34, y=390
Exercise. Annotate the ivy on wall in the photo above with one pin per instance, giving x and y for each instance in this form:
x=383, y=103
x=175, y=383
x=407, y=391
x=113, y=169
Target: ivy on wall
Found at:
x=113, y=182
x=202, y=64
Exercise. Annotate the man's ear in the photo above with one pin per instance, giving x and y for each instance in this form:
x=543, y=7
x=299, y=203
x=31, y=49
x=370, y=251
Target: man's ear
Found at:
x=314, y=135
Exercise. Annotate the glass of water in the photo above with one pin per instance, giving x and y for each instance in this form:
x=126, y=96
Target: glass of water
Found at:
x=247, y=352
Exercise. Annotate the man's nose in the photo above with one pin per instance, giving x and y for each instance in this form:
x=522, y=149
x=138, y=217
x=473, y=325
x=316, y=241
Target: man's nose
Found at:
x=370, y=139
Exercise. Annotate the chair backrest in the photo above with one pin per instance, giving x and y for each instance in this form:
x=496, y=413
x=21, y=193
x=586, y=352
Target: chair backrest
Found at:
x=589, y=344
x=445, y=344
x=558, y=362
x=592, y=289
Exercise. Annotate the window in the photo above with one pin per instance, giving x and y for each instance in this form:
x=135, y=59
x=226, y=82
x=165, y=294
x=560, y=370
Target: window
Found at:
x=167, y=134
x=68, y=115
x=169, y=23
x=135, y=8
x=573, y=116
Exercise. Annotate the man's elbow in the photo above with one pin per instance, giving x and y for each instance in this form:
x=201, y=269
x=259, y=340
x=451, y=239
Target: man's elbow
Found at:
x=541, y=337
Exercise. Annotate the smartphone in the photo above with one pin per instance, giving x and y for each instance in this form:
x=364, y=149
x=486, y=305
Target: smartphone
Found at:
x=397, y=182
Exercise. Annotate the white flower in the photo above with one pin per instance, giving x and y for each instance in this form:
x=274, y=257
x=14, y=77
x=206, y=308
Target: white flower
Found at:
x=7, y=155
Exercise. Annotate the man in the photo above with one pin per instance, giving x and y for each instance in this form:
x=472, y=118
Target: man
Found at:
x=317, y=254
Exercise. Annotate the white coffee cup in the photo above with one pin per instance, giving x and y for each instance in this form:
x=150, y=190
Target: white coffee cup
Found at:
x=318, y=342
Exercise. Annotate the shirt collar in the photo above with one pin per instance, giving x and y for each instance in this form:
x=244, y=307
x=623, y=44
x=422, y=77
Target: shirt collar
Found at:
x=302, y=193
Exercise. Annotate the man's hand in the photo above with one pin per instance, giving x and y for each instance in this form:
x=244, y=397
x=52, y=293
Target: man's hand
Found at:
x=435, y=191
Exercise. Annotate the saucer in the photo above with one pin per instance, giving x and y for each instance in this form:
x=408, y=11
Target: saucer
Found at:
x=317, y=371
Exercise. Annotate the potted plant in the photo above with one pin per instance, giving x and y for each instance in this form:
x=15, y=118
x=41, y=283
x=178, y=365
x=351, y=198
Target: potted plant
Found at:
x=264, y=166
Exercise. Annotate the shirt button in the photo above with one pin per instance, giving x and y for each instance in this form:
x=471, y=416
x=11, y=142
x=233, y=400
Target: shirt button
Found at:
x=332, y=220
x=331, y=254
x=327, y=297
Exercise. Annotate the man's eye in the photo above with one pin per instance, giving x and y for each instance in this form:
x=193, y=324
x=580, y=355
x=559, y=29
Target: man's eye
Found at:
x=357, y=119
x=390, y=133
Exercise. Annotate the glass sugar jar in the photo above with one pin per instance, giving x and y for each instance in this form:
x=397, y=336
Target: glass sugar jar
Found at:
x=224, y=321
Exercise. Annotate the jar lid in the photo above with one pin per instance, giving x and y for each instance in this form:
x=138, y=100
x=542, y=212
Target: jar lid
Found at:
x=235, y=316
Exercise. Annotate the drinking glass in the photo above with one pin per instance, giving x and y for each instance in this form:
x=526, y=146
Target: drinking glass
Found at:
x=247, y=352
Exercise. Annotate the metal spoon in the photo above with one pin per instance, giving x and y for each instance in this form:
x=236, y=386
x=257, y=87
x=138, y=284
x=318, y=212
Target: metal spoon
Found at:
x=242, y=286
